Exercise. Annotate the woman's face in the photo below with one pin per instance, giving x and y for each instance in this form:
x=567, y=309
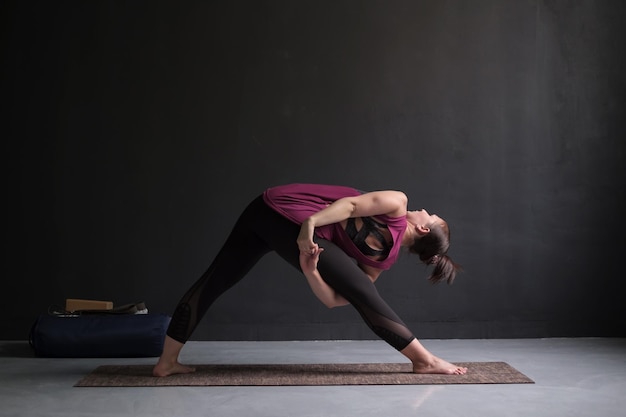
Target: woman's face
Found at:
x=423, y=218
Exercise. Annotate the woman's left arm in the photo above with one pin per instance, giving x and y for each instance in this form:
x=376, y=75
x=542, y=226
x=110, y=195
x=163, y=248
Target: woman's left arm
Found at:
x=324, y=292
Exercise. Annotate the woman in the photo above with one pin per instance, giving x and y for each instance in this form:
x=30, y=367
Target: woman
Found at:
x=322, y=230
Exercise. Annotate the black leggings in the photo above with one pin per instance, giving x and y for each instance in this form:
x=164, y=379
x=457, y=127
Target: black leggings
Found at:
x=261, y=230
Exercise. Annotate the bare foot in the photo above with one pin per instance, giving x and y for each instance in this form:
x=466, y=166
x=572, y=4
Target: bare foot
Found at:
x=438, y=366
x=167, y=369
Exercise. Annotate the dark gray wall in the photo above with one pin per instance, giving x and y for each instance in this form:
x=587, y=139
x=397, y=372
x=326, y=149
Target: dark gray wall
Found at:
x=135, y=132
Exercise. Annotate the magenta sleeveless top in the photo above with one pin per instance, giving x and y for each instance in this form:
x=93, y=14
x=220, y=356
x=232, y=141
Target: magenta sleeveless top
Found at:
x=297, y=202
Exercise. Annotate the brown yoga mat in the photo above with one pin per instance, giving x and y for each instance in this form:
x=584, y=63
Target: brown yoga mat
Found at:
x=301, y=374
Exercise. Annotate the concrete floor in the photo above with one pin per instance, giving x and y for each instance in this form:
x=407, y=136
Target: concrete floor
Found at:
x=573, y=377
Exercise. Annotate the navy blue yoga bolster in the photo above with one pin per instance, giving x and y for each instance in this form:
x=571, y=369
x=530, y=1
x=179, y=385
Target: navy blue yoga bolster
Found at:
x=99, y=336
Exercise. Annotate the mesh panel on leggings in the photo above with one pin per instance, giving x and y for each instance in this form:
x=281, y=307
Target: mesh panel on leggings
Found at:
x=394, y=333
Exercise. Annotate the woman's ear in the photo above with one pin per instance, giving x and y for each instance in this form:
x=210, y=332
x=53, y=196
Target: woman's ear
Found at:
x=422, y=230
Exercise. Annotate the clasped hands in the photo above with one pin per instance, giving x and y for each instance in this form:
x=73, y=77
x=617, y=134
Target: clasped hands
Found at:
x=309, y=252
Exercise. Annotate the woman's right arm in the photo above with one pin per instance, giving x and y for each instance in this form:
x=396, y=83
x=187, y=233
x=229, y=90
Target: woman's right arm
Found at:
x=324, y=292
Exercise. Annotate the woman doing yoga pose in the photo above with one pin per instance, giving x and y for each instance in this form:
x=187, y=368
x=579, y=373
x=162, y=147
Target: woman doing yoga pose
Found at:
x=322, y=230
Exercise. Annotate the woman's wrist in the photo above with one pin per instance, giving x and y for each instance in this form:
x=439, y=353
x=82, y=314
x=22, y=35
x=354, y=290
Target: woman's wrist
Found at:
x=309, y=226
